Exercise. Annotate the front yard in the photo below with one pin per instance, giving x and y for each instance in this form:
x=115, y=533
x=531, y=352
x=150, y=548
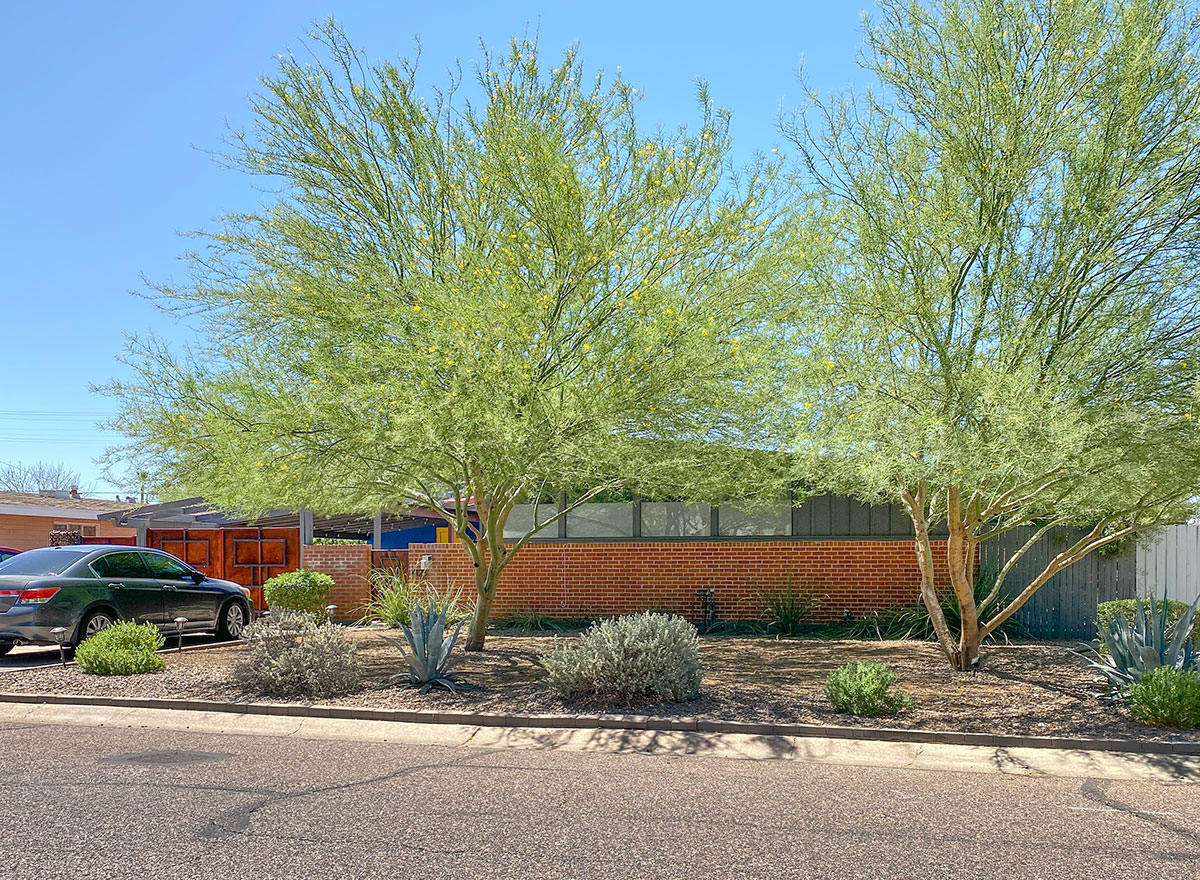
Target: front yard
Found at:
x=1031, y=689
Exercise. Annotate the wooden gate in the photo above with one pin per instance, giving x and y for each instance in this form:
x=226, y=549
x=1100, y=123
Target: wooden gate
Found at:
x=246, y=556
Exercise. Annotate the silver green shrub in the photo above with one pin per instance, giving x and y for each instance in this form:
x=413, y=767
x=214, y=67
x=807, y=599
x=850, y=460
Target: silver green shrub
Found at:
x=294, y=654
x=626, y=661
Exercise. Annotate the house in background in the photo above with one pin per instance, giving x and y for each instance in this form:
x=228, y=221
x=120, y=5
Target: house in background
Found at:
x=603, y=558
x=26, y=519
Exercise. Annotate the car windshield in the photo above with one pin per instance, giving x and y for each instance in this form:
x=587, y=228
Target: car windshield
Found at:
x=44, y=563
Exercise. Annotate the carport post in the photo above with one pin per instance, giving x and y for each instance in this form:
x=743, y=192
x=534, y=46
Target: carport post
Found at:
x=306, y=526
x=305, y=518
x=377, y=537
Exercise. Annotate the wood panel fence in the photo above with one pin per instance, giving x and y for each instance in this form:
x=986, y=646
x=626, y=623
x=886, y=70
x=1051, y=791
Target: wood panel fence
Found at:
x=1065, y=607
x=1169, y=562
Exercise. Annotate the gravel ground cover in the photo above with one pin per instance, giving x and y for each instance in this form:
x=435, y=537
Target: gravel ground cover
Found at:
x=1038, y=689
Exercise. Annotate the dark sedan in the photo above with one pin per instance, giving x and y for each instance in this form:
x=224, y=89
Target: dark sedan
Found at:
x=86, y=588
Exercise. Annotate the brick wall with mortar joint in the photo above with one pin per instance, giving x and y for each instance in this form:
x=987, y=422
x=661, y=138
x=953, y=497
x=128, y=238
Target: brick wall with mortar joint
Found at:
x=350, y=567
x=573, y=579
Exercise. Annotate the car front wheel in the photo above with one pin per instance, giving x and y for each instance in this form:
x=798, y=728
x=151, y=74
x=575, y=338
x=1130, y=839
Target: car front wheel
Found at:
x=233, y=621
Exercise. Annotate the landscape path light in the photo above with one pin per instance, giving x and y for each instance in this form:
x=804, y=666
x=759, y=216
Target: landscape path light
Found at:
x=329, y=609
x=179, y=622
x=60, y=636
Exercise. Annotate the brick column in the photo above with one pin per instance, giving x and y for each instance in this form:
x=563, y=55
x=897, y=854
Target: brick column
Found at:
x=350, y=567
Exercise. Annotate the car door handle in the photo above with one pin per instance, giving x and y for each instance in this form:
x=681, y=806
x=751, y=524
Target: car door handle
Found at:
x=116, y=586
x=171, y=587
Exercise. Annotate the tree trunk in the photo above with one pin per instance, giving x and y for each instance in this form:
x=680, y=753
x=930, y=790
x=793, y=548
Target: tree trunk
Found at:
x=924, y=549
x=485, y=592
x=960, y=559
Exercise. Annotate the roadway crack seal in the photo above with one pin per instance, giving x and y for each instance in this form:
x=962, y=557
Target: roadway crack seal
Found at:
x=236, y=821
x=1094, y=790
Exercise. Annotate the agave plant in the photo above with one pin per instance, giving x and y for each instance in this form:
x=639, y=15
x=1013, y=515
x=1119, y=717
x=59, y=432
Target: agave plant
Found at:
x=429, y=659
x=1145, y=643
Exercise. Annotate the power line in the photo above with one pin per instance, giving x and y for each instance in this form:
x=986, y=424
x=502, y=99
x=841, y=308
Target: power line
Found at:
x=55, y=413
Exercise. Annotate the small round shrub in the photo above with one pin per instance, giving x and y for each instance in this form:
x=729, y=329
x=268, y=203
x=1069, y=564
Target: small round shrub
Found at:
x=294, y=654
x=298, y=591
x=1166, y=697
x=865, y=689
x=630, y=660
x=125, y=648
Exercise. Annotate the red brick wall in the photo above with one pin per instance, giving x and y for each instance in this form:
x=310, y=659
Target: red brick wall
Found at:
x=350, y=567
x=567, y=580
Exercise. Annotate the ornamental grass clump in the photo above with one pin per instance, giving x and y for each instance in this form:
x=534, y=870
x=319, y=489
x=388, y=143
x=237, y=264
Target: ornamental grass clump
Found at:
x=395, y=596
x=630, y=660
x=789, y=608
x=865, y=688
x=294, y=654
x=125, y=648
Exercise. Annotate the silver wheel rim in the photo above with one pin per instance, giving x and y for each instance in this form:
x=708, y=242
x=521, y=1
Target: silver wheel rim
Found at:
x=235, y=621
x=97, y=623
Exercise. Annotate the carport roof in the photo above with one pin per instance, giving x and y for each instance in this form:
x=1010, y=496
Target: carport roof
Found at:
x=197, y=513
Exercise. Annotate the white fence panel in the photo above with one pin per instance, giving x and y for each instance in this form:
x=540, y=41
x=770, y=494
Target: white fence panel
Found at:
x=1171, y=563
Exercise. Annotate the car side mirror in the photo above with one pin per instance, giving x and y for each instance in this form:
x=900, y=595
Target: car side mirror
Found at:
x=196, y=576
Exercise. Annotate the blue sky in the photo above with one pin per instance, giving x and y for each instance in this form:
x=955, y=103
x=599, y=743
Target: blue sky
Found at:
x=111, y=107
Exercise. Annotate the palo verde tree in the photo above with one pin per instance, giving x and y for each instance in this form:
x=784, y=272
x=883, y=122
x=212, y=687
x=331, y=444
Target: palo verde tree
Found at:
x=1007, y=332
x=461, y=304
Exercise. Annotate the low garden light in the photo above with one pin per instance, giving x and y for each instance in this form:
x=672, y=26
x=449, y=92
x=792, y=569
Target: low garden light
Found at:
x=329, y=609
x=60, y=636
x=179, y=622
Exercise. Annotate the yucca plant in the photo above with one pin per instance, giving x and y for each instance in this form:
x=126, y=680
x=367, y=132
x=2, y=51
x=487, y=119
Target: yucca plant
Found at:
x=1146, y=643
x=429, y=658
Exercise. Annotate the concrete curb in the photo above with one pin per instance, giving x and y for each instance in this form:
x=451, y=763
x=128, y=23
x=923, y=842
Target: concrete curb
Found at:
x=621, y=722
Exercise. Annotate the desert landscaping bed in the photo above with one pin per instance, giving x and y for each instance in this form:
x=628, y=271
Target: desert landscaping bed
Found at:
x=1029, y=689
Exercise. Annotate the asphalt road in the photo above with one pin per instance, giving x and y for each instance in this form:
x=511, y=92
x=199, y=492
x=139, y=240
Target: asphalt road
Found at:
x=82, y=801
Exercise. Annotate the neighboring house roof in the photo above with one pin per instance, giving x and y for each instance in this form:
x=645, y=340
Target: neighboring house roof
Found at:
x=29, y=504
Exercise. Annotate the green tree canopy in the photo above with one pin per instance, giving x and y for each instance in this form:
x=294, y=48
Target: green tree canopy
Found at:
x=463, y=300
x=1007, y=330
